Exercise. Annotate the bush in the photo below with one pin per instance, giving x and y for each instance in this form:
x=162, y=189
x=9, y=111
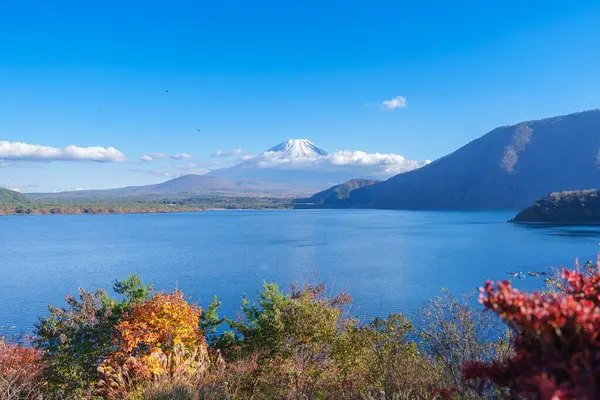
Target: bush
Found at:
x=453, y=332
x=158, y=340
x=76, y=339
x=175, y=374
x=293, y=343
x=21, y=372
x=397, y=366
x=557, y=351
x=305, y=345
x=153, y=329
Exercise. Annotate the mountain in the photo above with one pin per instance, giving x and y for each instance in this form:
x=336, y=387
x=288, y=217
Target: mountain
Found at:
x=249, y=178
x=293, y=162
x=297, y=148
x=508, y=168
x=294, y=168
x=574, y=207
x=184, y=186
x=335, y=193
x=192, y=183
x=12, y=197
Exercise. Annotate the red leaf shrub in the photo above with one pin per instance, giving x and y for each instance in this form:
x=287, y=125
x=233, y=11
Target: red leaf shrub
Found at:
x=21, y=371
x=556, y=343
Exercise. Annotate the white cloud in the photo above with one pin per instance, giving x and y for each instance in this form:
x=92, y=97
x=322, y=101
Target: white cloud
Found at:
x=159, y=156
x=182, y=156
x=20, y=188
x=153, y=156
x=227, y=153
x=187, y=166
x=176, y=174
x=159, y=173
x=389, y=163
x=171, y=173
x=165, y=173
x=14, y=188
x=36, y=152
x=200, y=164
x=396, y=102
x=376, y=164
x=247, y=157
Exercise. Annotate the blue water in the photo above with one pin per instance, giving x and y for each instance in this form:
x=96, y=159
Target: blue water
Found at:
x=391, y=261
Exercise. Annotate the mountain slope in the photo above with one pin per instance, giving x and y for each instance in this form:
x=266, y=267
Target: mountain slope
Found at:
x=184, y=186
x=508, y=168
x=12, y=197
x=336, y=193
x=193, y=183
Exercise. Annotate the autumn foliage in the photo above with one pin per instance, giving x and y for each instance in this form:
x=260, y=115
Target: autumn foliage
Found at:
x=556, y=342
x=304, y=344
x=156, y=327
x=21, y=371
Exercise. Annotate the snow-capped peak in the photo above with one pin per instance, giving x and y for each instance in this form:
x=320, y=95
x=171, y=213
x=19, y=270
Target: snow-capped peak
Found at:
x=298, y=148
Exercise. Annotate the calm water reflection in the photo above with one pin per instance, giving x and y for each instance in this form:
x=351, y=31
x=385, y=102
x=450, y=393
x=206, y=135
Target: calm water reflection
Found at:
x=391, y=261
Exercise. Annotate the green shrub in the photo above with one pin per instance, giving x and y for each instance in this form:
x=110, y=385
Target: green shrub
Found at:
x=303, y=344
x=77, y=338
x=453, y=332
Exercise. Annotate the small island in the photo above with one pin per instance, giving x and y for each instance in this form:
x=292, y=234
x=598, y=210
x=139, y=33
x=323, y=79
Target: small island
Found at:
x=580, y=207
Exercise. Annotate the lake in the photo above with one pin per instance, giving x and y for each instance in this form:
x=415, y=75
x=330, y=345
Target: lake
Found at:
x=390, y=261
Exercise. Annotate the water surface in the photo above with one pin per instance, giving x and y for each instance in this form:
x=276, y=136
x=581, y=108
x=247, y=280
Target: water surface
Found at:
x=391, y=261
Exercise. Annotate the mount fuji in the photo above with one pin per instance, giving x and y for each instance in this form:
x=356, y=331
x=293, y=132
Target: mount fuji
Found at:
x=297, y=162
x=297, y=148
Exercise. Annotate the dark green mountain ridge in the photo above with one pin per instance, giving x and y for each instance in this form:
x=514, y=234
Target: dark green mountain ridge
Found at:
x=508, y=168
x=10, y=197
x=335, y=193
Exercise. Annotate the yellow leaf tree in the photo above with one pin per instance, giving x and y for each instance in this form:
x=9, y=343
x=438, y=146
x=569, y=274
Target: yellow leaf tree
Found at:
x=154, y=328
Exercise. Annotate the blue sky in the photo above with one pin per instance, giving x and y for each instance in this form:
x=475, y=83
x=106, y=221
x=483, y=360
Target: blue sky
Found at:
x=249, y=75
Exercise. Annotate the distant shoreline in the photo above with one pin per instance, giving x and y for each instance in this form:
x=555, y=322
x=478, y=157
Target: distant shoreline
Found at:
x=150, y=212
x=18, y=205
x=23, y=214
x=123, y=212
x=549, y=224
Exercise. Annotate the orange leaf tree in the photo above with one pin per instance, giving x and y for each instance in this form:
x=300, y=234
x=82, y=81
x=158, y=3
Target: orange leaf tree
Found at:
x=158, y=325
